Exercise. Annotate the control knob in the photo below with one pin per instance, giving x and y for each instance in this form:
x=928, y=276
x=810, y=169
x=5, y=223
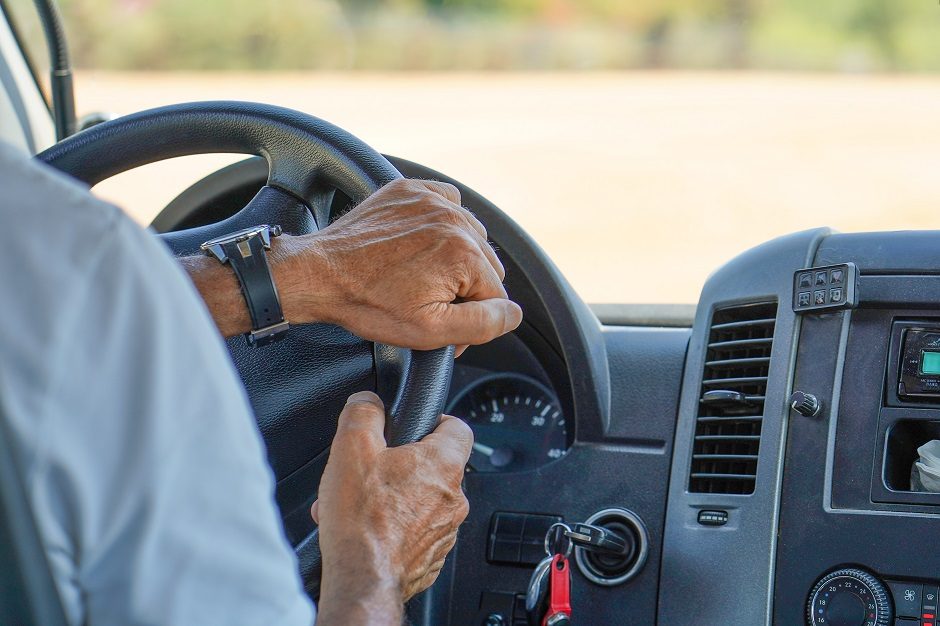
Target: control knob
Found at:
x=849, y=597
x=805, y=404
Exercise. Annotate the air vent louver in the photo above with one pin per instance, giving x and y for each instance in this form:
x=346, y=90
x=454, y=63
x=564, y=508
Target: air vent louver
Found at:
x=731, y=404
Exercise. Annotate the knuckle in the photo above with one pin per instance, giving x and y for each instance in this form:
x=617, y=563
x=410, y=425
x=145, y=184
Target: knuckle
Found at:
x=466, y=248
x=445, y=189
x=476, y=219
x=425, y=456
x=455, y=215
x=353, y=439
x=443, y=229
x=399, y=183
x=392, y=189
x=446, y=214
x=461, y=510
x=457, y=476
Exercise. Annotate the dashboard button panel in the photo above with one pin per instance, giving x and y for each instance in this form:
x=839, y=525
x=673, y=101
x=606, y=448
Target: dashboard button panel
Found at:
x=820, y=289
x=518, y=538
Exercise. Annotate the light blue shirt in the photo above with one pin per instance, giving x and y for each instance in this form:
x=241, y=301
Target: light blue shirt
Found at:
x=144, y=466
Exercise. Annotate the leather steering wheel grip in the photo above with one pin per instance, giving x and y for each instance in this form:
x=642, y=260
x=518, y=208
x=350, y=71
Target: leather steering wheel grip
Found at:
x=305, y=156
x=301, y=150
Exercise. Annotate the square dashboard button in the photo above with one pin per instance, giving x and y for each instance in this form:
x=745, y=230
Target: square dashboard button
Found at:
x=803, y=299
x=819, y=298
x=806, y=280
x=907, y=598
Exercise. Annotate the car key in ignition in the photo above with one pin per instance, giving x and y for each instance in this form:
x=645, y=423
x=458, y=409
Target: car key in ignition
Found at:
x=597, y=539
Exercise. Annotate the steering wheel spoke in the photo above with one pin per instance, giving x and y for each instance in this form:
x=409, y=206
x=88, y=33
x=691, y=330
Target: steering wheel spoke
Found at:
x=269, y=206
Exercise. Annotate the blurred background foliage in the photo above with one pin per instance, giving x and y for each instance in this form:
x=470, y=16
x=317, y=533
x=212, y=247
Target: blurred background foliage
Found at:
x=419, y=35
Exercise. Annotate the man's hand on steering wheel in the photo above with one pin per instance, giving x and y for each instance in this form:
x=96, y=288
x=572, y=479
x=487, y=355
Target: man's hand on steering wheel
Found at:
x=408, y=267
x=388, y=516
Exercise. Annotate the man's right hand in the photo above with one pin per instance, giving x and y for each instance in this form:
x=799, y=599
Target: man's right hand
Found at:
x=387, y=516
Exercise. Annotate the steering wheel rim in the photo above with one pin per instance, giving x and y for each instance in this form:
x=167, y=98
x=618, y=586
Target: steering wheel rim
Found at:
x=307, y=158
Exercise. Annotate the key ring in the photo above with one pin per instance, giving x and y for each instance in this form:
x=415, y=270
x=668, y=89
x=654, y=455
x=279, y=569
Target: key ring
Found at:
x=566, y=529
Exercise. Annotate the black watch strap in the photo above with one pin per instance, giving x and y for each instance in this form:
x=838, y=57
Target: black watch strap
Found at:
x=245, y=251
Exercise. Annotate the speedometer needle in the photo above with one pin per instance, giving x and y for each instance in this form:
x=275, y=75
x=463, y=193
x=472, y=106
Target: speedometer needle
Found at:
x=483, y=449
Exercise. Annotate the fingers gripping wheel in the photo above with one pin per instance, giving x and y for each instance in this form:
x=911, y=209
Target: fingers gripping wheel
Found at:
x=393, y=367
x=307, y=158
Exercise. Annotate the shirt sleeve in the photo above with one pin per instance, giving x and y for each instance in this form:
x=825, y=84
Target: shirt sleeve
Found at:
x=155, y=498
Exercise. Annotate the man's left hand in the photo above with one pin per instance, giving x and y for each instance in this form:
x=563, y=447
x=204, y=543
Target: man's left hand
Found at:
x=408, y=267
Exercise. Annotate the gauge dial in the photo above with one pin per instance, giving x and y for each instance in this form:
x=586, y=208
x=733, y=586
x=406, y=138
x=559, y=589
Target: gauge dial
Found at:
x=517, y=423
x=849, y=597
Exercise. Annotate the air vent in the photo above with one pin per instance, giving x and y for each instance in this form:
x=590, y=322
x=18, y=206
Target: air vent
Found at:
x=731, y=404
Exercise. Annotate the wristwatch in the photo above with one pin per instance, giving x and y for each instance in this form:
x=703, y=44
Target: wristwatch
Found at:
x=245, y=250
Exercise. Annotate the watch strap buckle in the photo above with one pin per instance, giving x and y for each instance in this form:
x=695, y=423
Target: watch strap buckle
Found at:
x=268, y=334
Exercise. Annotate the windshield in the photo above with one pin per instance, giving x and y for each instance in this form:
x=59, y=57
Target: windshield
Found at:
x=641, y=143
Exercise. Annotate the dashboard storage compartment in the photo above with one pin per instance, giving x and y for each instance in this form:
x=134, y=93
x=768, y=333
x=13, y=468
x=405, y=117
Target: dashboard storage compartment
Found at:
x=902, y=438
x=905, y=437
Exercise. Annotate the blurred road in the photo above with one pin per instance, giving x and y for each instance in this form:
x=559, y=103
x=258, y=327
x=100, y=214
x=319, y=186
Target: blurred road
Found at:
x=638, y=185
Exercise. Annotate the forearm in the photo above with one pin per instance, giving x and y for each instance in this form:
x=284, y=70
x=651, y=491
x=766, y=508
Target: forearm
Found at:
x=293, y=262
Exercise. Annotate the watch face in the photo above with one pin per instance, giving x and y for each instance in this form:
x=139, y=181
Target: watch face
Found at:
x=265, y=231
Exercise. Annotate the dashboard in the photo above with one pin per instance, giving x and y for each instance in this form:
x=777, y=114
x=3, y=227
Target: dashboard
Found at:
x=758, y=457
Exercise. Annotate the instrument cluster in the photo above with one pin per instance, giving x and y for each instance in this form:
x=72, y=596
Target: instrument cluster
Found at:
x=517, y=422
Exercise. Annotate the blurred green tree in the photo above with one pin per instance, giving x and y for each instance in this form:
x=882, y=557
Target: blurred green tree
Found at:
x=503, y=34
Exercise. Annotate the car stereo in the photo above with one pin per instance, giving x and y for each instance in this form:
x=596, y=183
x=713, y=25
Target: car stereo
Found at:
x=920, y=363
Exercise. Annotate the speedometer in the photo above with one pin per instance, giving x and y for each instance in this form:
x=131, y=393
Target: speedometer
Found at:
x=517, y=423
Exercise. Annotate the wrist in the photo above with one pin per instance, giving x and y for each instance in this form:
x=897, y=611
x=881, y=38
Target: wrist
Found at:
x=361, y=587
x=302, y=277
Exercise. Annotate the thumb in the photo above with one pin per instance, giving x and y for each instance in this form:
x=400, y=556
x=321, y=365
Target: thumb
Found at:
x=315, y=511
x=362, y=421
x=477, y=322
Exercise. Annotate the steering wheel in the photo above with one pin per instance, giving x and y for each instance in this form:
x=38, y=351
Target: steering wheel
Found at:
x=312, y=370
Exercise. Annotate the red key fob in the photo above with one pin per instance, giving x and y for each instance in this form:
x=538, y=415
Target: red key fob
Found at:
x=559, y=603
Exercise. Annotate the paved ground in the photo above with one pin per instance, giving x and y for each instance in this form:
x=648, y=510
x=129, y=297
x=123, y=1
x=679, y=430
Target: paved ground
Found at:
x=638, y=185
